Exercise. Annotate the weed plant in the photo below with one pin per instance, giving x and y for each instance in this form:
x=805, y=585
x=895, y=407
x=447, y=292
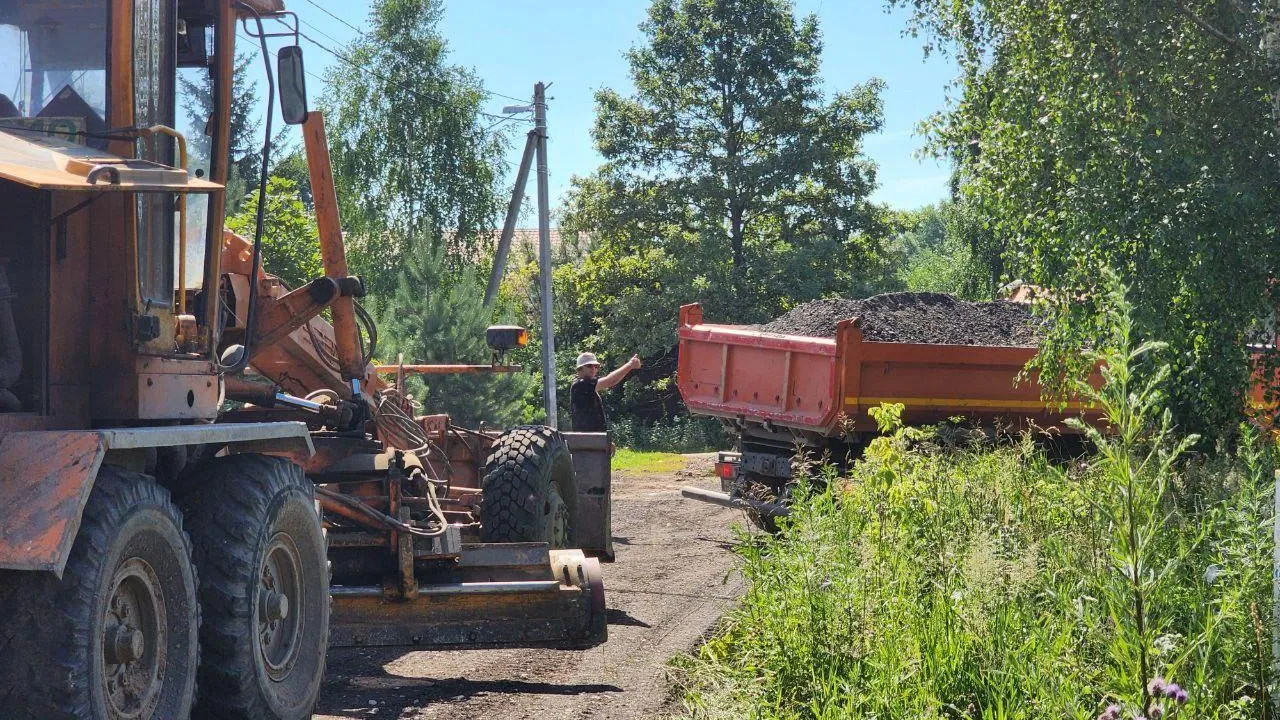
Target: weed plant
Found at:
x=994, y=583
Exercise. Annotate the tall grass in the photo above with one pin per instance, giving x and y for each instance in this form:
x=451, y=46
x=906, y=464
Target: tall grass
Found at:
x=993, y=583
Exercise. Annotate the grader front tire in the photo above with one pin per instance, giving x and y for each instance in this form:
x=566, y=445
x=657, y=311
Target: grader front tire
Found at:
x=527, y=487
x=261, y=553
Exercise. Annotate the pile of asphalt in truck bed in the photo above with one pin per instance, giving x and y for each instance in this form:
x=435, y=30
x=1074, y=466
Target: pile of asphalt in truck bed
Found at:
x=929, y=318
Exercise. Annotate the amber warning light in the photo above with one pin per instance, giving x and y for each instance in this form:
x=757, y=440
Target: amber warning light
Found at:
x=504, y=338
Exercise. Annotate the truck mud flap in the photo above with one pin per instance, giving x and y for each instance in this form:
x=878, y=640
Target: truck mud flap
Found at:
x=500, y=596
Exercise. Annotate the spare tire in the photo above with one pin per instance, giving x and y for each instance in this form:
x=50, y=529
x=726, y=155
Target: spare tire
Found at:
x=528, y=488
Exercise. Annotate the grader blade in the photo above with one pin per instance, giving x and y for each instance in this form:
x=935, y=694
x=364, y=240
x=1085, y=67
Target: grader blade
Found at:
x=499, y=595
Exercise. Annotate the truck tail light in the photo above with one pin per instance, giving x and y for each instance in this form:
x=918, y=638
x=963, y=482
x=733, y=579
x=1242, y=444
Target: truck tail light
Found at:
x=726, y=470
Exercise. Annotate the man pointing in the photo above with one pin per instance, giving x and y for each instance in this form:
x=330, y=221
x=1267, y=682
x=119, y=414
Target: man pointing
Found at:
x=584, y=394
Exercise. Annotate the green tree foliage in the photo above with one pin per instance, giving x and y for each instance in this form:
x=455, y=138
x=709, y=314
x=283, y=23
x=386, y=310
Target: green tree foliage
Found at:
x=293, y=165
x=729, y=114
x=245, y=152
x=934, y=256
x=290, y=246
x=417, y=179
x=432, y=318
x=1136, y=136
x=412, y=163
x=729, y=178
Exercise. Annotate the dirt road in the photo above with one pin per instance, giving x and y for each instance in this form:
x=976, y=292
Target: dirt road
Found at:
x=673, y=578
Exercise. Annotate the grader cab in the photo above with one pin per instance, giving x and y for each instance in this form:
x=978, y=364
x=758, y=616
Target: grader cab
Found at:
x=203, y=482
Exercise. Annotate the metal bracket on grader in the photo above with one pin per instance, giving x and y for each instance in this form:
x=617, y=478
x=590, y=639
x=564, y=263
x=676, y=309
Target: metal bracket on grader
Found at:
x=407, y=570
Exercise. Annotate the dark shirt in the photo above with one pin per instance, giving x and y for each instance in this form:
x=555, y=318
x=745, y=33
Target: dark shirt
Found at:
x=586, y=407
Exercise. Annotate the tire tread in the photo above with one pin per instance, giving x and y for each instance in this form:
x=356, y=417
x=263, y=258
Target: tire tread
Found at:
x=519, y=466
x=225, y=501
x=41, y=672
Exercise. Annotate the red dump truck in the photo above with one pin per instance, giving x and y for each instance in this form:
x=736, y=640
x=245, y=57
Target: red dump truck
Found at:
x=783, y=393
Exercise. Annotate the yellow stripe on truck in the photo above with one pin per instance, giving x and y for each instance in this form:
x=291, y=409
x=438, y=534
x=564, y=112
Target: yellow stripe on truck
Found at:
x=961, y=403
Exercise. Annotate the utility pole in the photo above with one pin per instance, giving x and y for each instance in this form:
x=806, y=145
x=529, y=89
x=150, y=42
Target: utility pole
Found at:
x=535, y=144
x=513, y=213
x=544, y=255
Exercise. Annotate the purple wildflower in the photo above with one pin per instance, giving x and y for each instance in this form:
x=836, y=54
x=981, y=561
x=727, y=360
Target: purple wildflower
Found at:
x=1111, y=713
x=1172, y=689
x=1157, y=686
x=1180, y=696
x=1155, y=711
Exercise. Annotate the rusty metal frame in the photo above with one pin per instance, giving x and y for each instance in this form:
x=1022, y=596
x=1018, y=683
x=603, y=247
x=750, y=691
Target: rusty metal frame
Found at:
x=506, y=595
x=445, y=369
x=49, y=475
x=284, y=437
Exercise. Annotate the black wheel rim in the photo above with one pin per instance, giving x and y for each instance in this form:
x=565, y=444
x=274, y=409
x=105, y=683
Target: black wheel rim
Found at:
x=134, y=641
x=280, y=603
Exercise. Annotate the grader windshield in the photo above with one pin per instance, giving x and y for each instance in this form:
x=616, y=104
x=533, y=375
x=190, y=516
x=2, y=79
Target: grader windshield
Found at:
x=53, y=66
x=57, y=82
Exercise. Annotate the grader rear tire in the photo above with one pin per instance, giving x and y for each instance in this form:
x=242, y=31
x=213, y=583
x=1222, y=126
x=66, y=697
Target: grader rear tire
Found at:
x=528, y=488
x=117, y=636
x=261, y=553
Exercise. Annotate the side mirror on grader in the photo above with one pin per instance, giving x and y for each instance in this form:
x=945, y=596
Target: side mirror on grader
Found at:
x=291, y=77
x=171, y=414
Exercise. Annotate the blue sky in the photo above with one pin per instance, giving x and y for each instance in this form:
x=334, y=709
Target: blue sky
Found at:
x=578, y=46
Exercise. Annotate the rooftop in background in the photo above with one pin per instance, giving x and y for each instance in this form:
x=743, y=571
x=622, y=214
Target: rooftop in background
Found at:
x=528, y=238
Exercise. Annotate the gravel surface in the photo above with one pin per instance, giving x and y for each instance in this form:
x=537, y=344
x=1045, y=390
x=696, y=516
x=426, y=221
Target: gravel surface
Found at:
x=674, y=576
x=930, y=318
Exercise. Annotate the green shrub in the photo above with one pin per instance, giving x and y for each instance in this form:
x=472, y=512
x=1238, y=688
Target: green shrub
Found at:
x=679, y=434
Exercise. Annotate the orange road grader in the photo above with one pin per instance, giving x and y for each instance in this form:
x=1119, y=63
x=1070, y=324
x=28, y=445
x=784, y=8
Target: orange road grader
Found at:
x=205, y=483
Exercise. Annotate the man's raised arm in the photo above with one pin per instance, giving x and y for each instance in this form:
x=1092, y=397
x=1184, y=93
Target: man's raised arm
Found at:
x=617, y=376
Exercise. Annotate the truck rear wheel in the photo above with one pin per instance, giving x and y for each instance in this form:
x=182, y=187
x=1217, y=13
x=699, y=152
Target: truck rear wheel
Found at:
x=528, y=488
x=117, y=636
x=260, y=550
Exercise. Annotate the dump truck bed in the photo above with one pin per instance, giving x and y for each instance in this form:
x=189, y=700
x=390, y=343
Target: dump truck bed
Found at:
x=826, y=385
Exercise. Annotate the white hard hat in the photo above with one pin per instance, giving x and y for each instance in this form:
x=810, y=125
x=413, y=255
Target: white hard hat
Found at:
x=586, y=359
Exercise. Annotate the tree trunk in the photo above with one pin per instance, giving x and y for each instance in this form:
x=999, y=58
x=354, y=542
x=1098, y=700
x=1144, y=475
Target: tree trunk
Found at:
x=736, y=233
x=1271, y=51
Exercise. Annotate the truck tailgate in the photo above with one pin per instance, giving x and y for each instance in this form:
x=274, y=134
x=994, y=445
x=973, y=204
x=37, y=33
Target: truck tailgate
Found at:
x=734, y=371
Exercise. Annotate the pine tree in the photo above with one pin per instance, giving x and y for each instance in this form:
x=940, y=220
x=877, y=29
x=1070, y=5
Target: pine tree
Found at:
x=435, y=316
x=245, y=152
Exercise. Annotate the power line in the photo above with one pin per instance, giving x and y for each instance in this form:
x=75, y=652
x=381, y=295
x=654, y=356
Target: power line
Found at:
x=506, y=118
x=435, y=100
x=335, y=17
x=335, y=40
x=384, y=78
x=525, y=100
x=360, y=33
